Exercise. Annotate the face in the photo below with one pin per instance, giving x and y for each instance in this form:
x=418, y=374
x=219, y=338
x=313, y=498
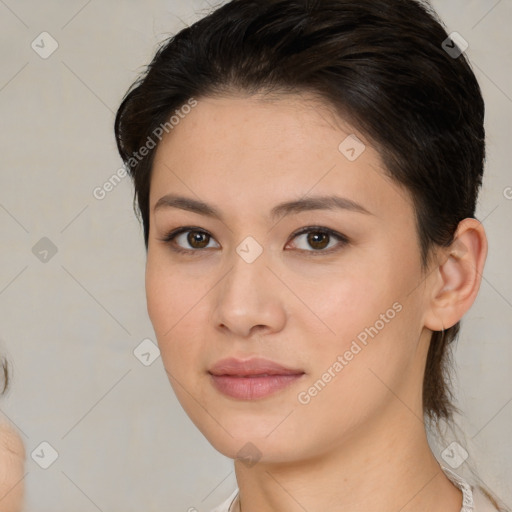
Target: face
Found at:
x=326, y=291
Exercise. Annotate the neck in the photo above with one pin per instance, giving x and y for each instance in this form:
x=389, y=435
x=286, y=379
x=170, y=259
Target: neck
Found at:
x=387, y=469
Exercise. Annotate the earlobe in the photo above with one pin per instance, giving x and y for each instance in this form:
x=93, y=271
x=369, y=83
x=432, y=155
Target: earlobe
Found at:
x=456, y=281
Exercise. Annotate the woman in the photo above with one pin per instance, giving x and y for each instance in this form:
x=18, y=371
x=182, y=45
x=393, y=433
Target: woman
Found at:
x=307, y=174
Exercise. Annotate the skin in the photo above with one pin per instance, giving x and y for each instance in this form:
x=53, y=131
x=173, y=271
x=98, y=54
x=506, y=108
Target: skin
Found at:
x=12, y=465
x=359, y=444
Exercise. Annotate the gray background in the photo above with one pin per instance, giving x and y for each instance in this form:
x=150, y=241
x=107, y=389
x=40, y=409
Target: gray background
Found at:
x=69, y=325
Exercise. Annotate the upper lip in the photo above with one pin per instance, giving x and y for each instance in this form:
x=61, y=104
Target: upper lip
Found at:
x=255, y=366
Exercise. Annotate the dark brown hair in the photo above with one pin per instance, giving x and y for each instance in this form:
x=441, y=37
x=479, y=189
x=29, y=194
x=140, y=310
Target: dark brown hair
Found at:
x=5, y=371
x=380, y=64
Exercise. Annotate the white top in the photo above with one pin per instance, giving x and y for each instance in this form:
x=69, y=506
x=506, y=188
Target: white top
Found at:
x=473, y=500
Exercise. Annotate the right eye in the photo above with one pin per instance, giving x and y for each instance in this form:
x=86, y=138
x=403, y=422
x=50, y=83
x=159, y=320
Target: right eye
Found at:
x=196, y=238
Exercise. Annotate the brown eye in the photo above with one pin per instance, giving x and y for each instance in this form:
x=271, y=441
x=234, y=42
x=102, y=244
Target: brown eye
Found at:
x=193, y=241
x=319, y=240
x=187, y=240
x=198, y=237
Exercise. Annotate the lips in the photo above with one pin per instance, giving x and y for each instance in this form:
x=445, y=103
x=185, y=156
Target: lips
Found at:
x=251, y=368
x=252, y=379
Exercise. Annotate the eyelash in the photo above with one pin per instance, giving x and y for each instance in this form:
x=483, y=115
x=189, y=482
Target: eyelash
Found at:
x=343, y=240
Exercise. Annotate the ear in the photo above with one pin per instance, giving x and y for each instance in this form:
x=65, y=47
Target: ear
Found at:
x=455, y=282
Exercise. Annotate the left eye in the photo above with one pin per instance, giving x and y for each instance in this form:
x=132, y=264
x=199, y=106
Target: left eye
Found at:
x=316, y=237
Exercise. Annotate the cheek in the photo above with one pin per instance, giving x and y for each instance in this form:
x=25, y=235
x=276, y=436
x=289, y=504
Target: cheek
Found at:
x=352, y=373
x=352, y=299
x=166, y=297
x=177, y=309
x=369, y=311
x=168, y=293
x=157, y=296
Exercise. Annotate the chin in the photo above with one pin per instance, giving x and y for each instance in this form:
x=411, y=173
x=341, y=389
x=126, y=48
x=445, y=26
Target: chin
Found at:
x=252, y=450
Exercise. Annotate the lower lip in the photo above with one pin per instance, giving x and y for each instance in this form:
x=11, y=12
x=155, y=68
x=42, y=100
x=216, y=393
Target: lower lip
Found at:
x=252, y=388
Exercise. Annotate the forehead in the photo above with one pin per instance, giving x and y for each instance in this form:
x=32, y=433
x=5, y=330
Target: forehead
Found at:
x=251, y=150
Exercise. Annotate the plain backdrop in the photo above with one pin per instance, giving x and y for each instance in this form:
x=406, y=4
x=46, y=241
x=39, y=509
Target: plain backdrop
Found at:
x=72, y=300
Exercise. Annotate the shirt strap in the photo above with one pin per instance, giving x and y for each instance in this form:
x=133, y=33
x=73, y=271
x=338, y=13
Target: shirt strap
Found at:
x=467, y=492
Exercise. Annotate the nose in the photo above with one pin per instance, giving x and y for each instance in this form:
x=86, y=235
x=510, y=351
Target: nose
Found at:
x=249, y=300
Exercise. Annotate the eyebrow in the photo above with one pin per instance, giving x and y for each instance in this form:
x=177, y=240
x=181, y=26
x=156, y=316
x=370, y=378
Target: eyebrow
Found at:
x=330, y=202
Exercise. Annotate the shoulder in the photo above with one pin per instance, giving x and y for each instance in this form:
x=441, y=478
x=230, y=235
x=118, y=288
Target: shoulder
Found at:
x=224, y=506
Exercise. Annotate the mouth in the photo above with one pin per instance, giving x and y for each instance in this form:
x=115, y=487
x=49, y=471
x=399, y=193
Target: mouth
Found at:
x=252, y=379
